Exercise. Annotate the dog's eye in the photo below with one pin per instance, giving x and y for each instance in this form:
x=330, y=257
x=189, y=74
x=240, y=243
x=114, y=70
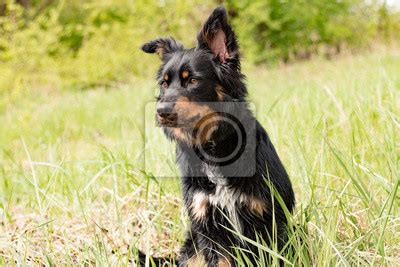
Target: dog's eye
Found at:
x=193, y=81
x=164, y=85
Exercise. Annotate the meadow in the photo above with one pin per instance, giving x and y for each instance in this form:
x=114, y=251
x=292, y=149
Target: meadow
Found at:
x=74, y=188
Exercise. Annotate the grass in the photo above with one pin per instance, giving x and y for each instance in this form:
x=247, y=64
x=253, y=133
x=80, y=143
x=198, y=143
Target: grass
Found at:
x=79, y=173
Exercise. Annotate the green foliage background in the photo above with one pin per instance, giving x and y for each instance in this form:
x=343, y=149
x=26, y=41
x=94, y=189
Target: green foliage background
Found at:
x=82, y=44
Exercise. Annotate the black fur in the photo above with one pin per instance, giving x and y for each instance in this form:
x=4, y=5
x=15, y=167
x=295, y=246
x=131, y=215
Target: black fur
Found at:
x=214, y=78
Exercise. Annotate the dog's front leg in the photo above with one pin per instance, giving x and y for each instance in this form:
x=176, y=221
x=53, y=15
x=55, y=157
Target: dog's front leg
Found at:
x=188, y=253
x=212, y=254
x=201, y=252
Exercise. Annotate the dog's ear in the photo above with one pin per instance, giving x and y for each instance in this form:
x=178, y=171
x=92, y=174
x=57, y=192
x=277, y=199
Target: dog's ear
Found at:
x=218, y=36
x=162, y=46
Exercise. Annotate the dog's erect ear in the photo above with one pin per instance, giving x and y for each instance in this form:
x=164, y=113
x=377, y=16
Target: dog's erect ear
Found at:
x=217, y=35
x=162, y=46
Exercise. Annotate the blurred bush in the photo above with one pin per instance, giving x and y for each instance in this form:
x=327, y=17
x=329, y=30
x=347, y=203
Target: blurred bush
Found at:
x=83, y=44
x=80, y=45
x=297, y=29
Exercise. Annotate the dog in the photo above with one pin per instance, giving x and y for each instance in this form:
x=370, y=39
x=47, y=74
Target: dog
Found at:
x=228, y=204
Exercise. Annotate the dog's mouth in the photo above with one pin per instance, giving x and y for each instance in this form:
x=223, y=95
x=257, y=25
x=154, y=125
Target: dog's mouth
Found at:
x=174, y=120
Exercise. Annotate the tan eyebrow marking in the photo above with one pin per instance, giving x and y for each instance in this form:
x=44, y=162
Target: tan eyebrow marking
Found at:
x=166, y=77
x=185, y=74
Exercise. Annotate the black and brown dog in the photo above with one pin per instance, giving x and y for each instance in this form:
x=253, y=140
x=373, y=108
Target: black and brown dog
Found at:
x=194, y=84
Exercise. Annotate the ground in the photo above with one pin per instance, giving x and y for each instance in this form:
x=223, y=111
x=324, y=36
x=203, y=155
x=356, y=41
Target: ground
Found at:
x=80, y=175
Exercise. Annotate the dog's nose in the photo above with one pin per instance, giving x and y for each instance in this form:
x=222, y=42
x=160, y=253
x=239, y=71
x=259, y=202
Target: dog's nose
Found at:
x=164, y=109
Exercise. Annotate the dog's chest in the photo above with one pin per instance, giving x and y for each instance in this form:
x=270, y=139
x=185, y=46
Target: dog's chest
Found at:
x=224, y=197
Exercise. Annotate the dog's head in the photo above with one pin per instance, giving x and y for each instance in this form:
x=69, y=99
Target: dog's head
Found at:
x=191, y=80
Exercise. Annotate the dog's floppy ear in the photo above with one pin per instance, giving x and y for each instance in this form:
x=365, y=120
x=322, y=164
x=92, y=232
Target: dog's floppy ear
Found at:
x=162, y=46
x=217, y=35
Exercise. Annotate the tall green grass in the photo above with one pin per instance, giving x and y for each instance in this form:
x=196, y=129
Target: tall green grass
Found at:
x=74, y=187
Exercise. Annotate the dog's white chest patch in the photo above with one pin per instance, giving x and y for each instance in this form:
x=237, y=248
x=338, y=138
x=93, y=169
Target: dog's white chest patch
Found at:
x=224, y=197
